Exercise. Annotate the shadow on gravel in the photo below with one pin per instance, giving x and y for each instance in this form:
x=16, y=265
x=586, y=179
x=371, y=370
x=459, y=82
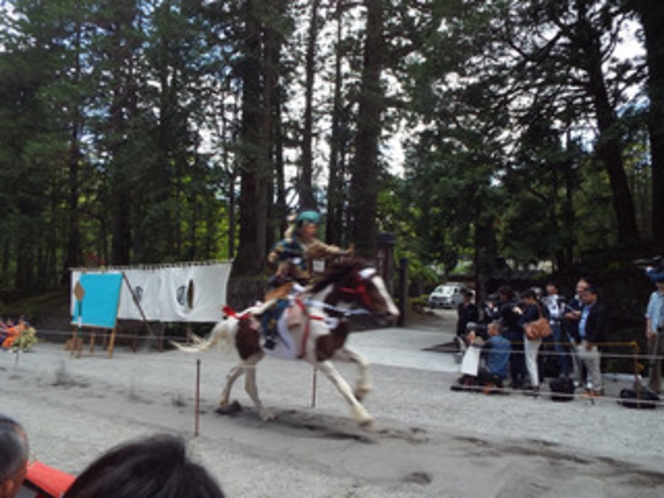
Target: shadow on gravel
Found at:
x=306, y=424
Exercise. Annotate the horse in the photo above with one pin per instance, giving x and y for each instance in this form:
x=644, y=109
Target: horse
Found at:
x=318, y=326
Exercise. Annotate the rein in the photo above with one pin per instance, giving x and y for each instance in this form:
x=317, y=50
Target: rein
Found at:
x=342, y=311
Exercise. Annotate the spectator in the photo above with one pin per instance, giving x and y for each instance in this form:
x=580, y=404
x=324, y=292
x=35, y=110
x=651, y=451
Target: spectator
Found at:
x=570, y=326
x=654, y=331
x=507, y=311
x=592, y=331
x=494, y=354
x=532, y=310
x=467, y=312
x=556, y=307
x=656, y=271
x=146, y=468
x=14, y=456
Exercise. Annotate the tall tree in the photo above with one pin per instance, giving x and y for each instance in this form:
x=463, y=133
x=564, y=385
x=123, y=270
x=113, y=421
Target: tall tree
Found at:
x=651, y=15
x=365, y=168
x=306, y=174
x=253, y=194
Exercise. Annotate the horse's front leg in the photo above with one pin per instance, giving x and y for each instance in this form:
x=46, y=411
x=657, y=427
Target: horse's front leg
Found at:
x=359, y=412
x=249, y=366
x=231, y=377
x=364, y=382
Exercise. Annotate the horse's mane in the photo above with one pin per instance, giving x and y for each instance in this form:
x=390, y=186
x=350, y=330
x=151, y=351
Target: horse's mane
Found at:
x=337, y=271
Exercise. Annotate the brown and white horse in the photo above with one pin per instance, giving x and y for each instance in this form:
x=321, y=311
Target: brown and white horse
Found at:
x=318, y=332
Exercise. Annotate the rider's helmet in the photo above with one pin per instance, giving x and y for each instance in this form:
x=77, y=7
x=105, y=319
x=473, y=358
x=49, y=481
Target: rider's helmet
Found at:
x=308, y=216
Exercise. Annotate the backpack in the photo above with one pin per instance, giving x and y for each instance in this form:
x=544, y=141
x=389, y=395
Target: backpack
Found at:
x=639, y=398
x=562, y=389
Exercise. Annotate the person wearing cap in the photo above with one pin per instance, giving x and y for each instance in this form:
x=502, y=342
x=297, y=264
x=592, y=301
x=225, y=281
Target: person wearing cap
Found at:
x=295, y=253
x=654, y=331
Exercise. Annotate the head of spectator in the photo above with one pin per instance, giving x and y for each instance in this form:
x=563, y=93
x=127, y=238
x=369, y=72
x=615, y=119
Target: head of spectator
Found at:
x=551, y=289
x=154, y=467
x=529, y=296
x=468, y=296
x=493, y=328
x=504, y=293
x=14, y=456
x=581, y=285
x=589, y=295
x=659, y=281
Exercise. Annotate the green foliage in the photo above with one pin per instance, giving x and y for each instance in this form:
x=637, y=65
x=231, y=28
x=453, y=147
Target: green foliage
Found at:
x=125, y=133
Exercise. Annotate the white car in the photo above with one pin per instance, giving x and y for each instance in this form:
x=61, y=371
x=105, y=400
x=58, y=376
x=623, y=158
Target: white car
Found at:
x=448, y=295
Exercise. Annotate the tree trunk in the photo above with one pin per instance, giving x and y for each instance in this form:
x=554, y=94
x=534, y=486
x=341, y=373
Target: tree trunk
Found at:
x=365, y=169
x=335, y=192
x=307, y=199
x=609, y=149
x=123, y=106
x=652, y=18
x=252, y=203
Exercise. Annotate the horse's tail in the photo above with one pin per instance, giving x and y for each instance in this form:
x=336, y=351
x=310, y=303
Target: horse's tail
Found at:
x=222, y=330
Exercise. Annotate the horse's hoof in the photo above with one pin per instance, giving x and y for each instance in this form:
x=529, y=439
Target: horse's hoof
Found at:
x=361, y=393
x=268, y=417
x=368, y=424
x=231, y=409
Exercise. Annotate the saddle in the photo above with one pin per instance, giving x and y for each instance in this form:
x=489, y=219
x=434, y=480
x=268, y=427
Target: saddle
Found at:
x=270, y=319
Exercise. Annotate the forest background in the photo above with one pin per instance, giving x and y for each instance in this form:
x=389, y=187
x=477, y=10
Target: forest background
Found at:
x=482, y=132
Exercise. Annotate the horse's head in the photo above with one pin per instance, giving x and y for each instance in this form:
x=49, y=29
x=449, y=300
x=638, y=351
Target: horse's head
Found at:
x=351, y=283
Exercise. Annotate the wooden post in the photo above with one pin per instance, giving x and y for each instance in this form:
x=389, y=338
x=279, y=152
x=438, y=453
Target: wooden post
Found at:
x=314, y=381
x=111, y=343
x=403, y=292
x=198, y=397
x=77, y=336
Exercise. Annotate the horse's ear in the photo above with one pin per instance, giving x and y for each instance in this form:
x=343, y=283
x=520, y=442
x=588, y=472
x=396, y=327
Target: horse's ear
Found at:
x=367, y=273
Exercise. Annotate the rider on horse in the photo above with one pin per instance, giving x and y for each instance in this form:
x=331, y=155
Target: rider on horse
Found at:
x=298, y=249
x=294, y=256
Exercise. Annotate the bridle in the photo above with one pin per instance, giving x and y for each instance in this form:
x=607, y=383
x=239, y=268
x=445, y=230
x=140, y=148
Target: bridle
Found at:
x=360, y=286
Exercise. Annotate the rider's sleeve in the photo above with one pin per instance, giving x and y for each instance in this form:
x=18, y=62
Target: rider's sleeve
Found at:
x=320, y=250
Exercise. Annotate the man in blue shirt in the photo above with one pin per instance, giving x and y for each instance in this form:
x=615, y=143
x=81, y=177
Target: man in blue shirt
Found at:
x=495, y=355
x=592, y=331
x=654, y=326
x=496, y=352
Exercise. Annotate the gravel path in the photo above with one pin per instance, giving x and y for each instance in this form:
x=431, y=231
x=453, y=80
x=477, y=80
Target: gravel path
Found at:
x=428, y=440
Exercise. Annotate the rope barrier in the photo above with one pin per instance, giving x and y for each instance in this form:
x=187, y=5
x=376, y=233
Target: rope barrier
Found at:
x=633, y=345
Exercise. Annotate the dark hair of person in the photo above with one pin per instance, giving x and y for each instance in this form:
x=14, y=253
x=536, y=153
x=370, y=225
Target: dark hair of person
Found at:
x=592, y=290
x=529, y=294
x=505, y=290
x=155, y=467
x=14, y=450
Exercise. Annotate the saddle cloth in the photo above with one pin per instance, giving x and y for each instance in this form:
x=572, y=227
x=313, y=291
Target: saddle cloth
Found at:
x=284, y=316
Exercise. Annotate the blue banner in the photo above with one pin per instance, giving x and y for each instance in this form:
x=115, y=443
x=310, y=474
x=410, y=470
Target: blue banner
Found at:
x=101, y=295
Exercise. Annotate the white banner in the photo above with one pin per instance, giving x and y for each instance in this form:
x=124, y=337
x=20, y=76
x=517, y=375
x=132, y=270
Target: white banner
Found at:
x=185, y=293
x=146, y=285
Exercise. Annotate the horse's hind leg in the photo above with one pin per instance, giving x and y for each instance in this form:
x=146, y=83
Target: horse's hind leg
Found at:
x=364, y=382
x=360, y=414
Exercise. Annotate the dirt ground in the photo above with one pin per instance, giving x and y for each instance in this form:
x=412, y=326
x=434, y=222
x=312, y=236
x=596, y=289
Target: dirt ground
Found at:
x=427, y=442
